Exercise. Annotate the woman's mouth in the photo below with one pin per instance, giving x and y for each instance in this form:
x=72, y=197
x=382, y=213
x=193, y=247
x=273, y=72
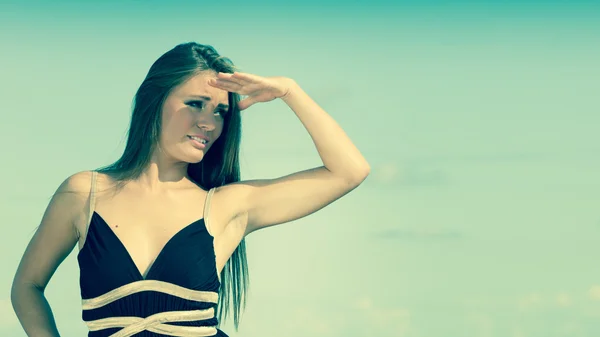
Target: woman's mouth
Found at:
x=198, y=142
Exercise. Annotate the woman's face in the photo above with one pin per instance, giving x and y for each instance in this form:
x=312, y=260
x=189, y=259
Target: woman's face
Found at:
x=192, y=118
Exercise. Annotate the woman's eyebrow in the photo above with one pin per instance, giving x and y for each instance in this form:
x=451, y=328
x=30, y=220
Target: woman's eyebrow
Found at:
x=207, y=98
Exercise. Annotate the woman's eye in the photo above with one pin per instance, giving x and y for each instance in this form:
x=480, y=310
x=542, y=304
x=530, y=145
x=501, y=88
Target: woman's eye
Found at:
x=201, y=106
x=221, y=112
x=196, y=104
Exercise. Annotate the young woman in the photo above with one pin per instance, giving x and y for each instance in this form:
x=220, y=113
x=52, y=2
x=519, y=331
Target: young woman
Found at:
x=161, y=231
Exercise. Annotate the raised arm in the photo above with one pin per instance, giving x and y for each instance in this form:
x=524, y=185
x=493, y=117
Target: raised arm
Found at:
x=51, y=244
x=269, y=202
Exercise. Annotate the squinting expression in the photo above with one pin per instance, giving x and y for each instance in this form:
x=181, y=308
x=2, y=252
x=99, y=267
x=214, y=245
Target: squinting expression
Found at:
x=192, y=118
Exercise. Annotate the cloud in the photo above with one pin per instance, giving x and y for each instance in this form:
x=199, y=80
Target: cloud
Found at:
x=364, y=303
x=594, y=292
x=384, y=321
x=482, y=158
x=386, y=173
x=307, y=321
x=481, y=324
x=333, y=94
x=7, y=314
x=530, y=302
x=367, y=319
x=536, y=301
x=593, y=313
x=422, y=233
x=564, y=300
x=571, y=328
x=518, y=331
x=395, y=175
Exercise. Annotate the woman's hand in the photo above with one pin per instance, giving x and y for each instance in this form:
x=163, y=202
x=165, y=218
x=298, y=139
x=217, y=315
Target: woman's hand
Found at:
x=256, y=88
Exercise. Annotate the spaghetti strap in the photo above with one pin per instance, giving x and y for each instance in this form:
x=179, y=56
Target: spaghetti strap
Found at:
x=208, y=228
x=207, y=210
x=92, y=205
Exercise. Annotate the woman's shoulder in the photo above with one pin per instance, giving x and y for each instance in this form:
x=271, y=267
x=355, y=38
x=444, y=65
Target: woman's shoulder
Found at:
x=69, y=201
x=81, y=182
x=78, y=183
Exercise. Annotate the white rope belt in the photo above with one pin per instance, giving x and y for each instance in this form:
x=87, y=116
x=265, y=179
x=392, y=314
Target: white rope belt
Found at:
x=150, y=285
x=155, y=323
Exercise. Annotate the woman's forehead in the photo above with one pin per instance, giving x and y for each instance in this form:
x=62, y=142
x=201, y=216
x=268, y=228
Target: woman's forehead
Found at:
x=197, y=86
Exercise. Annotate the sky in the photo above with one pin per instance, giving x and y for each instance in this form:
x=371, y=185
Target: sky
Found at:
x=480, y=217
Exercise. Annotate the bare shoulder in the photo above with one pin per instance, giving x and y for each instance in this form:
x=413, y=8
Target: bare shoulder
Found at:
x=78, y=183
x=71, y=198
x=75, y=188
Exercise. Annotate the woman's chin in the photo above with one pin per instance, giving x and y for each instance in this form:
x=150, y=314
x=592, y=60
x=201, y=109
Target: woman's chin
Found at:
x=194, y=158
x=190, y=156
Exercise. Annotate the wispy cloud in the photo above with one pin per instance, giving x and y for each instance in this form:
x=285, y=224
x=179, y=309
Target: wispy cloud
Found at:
x=365, y=319
x=308, y=322
x=7, y=315
x=594, y=292
x=481, y=158
x=480, y=324
x=530, y=302
x=423, y=233
x=331, y=95
x=571, y=328
x=564, y=300
x=593, y=313
x=384, y=321
x=395, y=175
x=535, y=301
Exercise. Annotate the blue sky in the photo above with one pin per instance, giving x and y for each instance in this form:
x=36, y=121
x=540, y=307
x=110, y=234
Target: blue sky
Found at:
x=480, y=121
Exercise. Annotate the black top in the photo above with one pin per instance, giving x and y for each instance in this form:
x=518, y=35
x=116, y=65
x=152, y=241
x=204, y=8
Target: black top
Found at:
x=177, y=296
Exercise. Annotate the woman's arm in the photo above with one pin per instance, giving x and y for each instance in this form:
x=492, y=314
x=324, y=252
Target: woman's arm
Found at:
x=51, y=244
x=269, y=202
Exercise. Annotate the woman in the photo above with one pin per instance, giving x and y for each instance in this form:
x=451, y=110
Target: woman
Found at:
x=161, y=231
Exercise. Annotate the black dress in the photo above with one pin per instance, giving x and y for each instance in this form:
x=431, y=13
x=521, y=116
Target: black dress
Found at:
x=177, y=297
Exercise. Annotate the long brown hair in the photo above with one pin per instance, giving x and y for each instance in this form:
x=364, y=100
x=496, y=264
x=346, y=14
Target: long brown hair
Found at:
x=219, y=166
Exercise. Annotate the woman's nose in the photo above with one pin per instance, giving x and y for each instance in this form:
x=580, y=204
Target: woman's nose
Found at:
x=206, y=122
